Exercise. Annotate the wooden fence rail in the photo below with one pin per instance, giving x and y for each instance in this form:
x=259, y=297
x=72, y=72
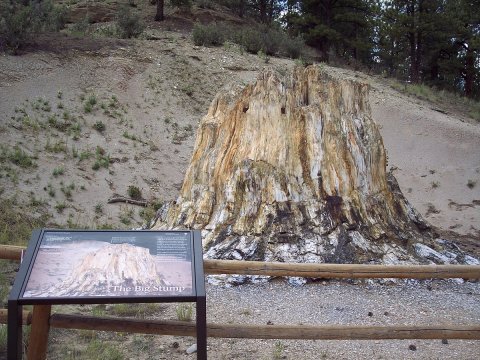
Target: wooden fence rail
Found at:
x=341, y=271
x=324, y=271
x=181, y=328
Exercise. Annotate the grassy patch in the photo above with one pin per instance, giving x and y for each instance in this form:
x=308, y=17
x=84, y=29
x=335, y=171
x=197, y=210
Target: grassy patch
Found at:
x=184, y=311
x=58, y=171
x=135, y=310
x=440, y=97
x=57, y=147
x=16, y=226
x=16, y=156
x=102, y=159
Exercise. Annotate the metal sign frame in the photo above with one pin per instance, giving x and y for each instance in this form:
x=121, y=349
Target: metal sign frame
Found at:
x=17, y=299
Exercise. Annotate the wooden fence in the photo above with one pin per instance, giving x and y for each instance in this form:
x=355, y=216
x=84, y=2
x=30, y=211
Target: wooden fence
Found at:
x=329, y=271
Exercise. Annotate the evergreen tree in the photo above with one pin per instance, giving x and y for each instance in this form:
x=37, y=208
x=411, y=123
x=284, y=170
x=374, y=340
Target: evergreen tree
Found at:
x=340, y=27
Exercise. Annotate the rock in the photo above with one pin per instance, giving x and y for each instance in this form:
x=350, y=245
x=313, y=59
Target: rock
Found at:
x=296, y=281
x=192, y=349
x=370, y=313
x=428, y=253
x=412, y=347
x=445, y=341
x=470, y=260
x=294, y=170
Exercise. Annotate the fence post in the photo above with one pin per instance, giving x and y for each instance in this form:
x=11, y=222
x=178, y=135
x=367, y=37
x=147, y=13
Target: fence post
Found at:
x=37, y=347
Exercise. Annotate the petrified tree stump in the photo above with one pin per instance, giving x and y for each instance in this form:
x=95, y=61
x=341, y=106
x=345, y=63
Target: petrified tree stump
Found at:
x=295, y=170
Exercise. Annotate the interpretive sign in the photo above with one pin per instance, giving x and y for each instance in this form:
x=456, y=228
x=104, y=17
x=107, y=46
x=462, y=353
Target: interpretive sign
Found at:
x=111, y=264
x=97, y=267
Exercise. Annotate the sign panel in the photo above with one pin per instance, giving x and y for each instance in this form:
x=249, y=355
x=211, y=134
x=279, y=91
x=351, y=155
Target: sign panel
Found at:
x=85, y=264
x=102, y=267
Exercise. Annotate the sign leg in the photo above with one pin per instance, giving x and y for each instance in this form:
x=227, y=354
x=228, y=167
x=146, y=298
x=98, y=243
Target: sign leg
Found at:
x=14, y=335
x=201, y=328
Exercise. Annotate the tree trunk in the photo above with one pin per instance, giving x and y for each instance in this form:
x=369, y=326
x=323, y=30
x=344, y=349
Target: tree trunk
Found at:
x=263, y=11
x=241, y=8
x=414, y=71
x=434, y=68
x=159, y=16
x=469, y=72
x=294, y=171
x=413, y=38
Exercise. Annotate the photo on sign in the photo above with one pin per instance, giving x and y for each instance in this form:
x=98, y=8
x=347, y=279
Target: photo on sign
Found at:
x=90, y=264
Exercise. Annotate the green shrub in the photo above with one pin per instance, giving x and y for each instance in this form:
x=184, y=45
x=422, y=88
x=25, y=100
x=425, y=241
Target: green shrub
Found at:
x=58, y=171
x=102, y=350
x=261, y=39
x=129, y=24
x=134, y=192
x=205, y=4
x=208, y=35
x=294, y=48
x=101, y=159
x=21, y=158
x=20, y=22
x=185, y=4
x=250, y=39
x=99, y=126
x=272, y=40
x=15, y=24
x=184, y=311
x=16, y=225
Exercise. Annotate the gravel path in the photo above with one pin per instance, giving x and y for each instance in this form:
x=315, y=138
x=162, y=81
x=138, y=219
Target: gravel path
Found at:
x=340, y=303
x=322, y=303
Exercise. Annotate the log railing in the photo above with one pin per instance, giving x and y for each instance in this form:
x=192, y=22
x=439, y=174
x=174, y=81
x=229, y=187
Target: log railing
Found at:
x=281, y=331
x=324, y=271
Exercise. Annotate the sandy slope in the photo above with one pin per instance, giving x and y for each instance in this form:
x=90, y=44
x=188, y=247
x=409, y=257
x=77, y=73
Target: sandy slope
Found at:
x=433, y=156
x=163, y=87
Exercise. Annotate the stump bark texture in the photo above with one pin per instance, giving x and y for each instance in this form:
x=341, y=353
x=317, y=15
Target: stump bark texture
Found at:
x=294, y=169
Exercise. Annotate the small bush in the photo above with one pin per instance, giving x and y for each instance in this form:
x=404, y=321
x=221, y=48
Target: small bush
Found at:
x=20, y=21
x=208, y=35
x=185, y=4
x=471, y=184
x=205, y=4
x=99, y=126
x=15, y=24
x=129, y=24
x=184, y=311
x=87, y=108
x=58, y=171
x=270, y=41
x=21, y=158
x=92, y=100
x=134, y=192
x=102, y=350
x=16, y=225
x=250, y=39
x=60, y=207
x=294, y=48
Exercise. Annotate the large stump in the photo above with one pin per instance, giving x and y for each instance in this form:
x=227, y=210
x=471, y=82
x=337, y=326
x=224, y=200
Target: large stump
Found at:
x=295, y=170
